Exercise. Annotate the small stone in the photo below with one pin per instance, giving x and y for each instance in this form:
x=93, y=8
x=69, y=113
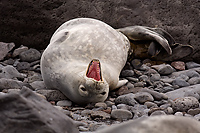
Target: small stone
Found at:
x=185, y=103
x=126, y=99
x=64, y=103
x=190, y=65
x=127, y=73
x=143, y=97
x=151, y=71
x=155, y=77
x=5, y=48
x=10, y=72
x=136, y=63
x=121, y=90
x=140, y=84
x=121, y=114
x=194, y=80
x=10, y=84
x=178, y=114
x=192, y=73
x=109, y=103
x=130, y=85
x=158, y=112
x=132, y=79
x=143, y=78
x=180, y=82
x=86, y=112
x=139, y=110
x=9, y=61
x=100, y=114
x=194, y=112
x=178, y=65
x=30, y=55
x=167, y=80
x=169, y=110
x=101, y=104
x=23, y=66
x=183, y=76
x=122, y=106
x=167, y=89
x=19, y=50
x=163, y=69
x=13, y=90
x=52, y=95
x=197, y=117
x=150, y=105
x=38, y=85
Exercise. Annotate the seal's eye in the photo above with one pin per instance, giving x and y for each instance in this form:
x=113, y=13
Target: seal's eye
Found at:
x=82, y=88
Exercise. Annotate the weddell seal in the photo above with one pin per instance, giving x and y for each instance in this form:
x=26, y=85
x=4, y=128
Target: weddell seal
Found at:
x=85, y=57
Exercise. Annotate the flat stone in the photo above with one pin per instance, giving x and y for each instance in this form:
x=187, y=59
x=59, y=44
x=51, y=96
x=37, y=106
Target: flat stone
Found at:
x=10, y=84
x=121, y=90
x=178, y=65
x=38, y=85
x=136, y=63
x=23, y=66
x=180, y=82
x=127, y=73
x=194, y=80
x=192, y=73
x=128, y=99
x=155, y=77
x=185, y=103
x=19, y=50
x=158, y=112
x=101, y=104
x=150, y=105
x=194, y=112
x=64, y=103
x=190, y=65
x=5, y=48
x=52, y=95
x=163, y=69
x=193, y=90
x=100, y=114
x=10, y=72
x=30, y=55
x=121, y=114
x=143, y=97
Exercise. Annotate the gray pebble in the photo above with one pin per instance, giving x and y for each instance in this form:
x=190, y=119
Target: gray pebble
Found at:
x=194, y=112
x=180, y=82
x=185, y=103
x=101, y=104
x=127, y=73
x=10, y=83
x=167, y=89
x=5, y=48
x=130, y=85
x=143, y=78
x=164, y=69
x=132, y=79
x=123, y=106
x=158, y=112
x=136, y=63
x=190, y=65
x=155, y=77
x=126, y=99
x=64, y=103
x=19, y=50
x=23, y=66
x=38, y=85
x=30, y=55
x=192, y=73
x=194, y=80
x=197, y=117
x=140, y=84
x=10, y=72
x=121, y=114
x=183, y=76
x=14, y=90
x=178, y=114
x=143, y=97
x=100, y=114
x=150, y=105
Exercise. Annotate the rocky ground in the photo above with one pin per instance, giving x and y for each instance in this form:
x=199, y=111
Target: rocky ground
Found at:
x=172, y=88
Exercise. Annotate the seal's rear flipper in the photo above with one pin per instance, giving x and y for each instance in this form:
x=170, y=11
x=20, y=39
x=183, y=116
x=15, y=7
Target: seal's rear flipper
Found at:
x=179, y=51
x=145, y=33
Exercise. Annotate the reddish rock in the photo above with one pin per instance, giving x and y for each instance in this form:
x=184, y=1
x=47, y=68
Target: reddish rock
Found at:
x=178, y=65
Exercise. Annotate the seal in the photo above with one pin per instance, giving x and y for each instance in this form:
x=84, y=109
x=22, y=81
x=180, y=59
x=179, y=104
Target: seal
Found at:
x=85, y=57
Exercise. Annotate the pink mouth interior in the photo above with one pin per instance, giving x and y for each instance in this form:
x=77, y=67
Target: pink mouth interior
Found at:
x=94, y=70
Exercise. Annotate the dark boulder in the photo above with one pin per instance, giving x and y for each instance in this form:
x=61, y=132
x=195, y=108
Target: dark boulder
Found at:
x=25, y=112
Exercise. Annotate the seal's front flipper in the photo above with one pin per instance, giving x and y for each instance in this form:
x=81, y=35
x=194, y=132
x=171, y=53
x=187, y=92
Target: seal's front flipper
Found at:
x=154, y=49
x=121, y=83
x=179, y=51
x=145, y=33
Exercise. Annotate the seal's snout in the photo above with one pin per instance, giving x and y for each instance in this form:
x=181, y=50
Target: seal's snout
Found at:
x=94, y=70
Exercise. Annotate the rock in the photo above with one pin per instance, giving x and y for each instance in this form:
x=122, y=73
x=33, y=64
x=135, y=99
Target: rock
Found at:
x=38, y=85
x=158, y=112
x=150, y=105
x=121, y=114
x=143, y=78
x=10, y=72
x=156, y=124
x=194, y=80
x=100, y=114
x=127, y=73
x=52, y=95
x=10, y=84
x=142, y=97
x=19, y=50
x=23, y=66
x=121, y=90
x=185, y=103
x=167, y=89
x=136, y=63
x=130, y=85
x=178, y=65
x=5, y=48
x=64, y=103
x=178, y=114
x=34, y=111
x=123, y=106
x=194, y=112
x=193, y=91
x=191, y=65
x=30, y=55
x=192, y=73
x=163, y=69
x=139, y=110
x=101, y=104
x=180, y=82
x=128, y=99
x=155, y=77
x=183, y=76
x=13, y=90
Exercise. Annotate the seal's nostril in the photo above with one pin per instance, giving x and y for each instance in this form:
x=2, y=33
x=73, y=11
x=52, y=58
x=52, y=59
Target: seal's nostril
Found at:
x=83, y=88
x=103, y=93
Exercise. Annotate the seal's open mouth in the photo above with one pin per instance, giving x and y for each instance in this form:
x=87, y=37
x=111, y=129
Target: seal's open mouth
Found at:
x=94, y=70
